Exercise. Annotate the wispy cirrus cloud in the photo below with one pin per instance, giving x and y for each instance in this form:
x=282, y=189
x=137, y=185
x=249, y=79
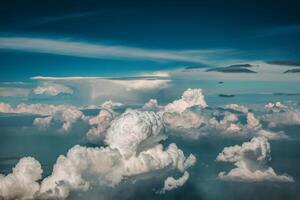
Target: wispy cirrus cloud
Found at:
x=98, y=50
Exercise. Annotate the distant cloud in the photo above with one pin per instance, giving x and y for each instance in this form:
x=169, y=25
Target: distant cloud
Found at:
x=99, y=50
x=13, y=91
x=294, y=63
x=251, y=160
x=52, y=89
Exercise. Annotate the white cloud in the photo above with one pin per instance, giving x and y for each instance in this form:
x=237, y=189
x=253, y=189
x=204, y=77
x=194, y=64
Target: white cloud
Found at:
x=179, y=116
x=142, y=84
x=236, y=107
x=275, y=106
x=189, y=98
x=52, y=89
x=185, y=120
x=37, y=109
x=99, y=89
x=22, y=182
x=132, y=149
x=42, y=123
x=252, y=122
x=67, y=115
x=152, y=104
x=100, y=124
x=250, y=159
x=97, y=50
x=5, y=108
x=231, y=126
x=172, y=183
x=290, y=117
x=13, y=91
x=132, y=131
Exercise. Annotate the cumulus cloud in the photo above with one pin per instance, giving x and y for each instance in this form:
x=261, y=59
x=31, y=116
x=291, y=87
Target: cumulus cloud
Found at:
x=250, y=159
x=131, y=132
x=229, y=125
x=5, y=108
x=275, y=106
x=132, y=149
x=189, y=98
x=152, y=104
x=236, y=107
x=22, y=182
x=252, y=122
x=37, y=109
x=52, y=89
x=290, y=117
x=179, y=115
x=66, y=116
x=100, y=124
x=142, y=84
x=172, y=183
x=13, y=91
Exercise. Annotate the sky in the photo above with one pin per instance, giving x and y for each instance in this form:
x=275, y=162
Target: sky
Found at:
x=149, y=99
x=63, y=38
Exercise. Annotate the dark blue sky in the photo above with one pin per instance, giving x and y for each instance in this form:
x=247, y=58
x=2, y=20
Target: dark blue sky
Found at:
x=252, y=30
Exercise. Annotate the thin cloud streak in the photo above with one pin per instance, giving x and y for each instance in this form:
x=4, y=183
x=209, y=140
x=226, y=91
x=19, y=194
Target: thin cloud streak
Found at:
x=100, y=51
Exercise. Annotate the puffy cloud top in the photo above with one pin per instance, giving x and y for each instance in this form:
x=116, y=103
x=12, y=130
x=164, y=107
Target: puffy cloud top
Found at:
x=134, y=129
x=190, y=98
x=172, y=183
x=251, y=160
x=22, y=182
x=52, y=89
x=132, y=149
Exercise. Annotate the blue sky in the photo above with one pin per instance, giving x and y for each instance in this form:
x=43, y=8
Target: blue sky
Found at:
x=210, y=32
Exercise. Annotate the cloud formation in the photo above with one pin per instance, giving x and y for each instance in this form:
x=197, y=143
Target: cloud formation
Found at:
x=172, y=183
x=132, y=149
x=22, y=182
x=52, y=89
x=98, y=50
x=250, y=159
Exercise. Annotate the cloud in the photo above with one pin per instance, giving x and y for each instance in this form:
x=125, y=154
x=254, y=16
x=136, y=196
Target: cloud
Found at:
x=133, y=149
x=13, y=91
x=66, y=115
x=142, y=84
x=189, y=98
x=276, y=107
x=127, y=140
x=100, y=124
x=37, y=109
x=179, y=115
x=5, y=108
x=152, y=104
x=52, y=89
x=236, y=107
x=97, y=50
x=172, y=183
x=250, y=159
x=22, y=182
x=290, y=117
x=99, y=89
